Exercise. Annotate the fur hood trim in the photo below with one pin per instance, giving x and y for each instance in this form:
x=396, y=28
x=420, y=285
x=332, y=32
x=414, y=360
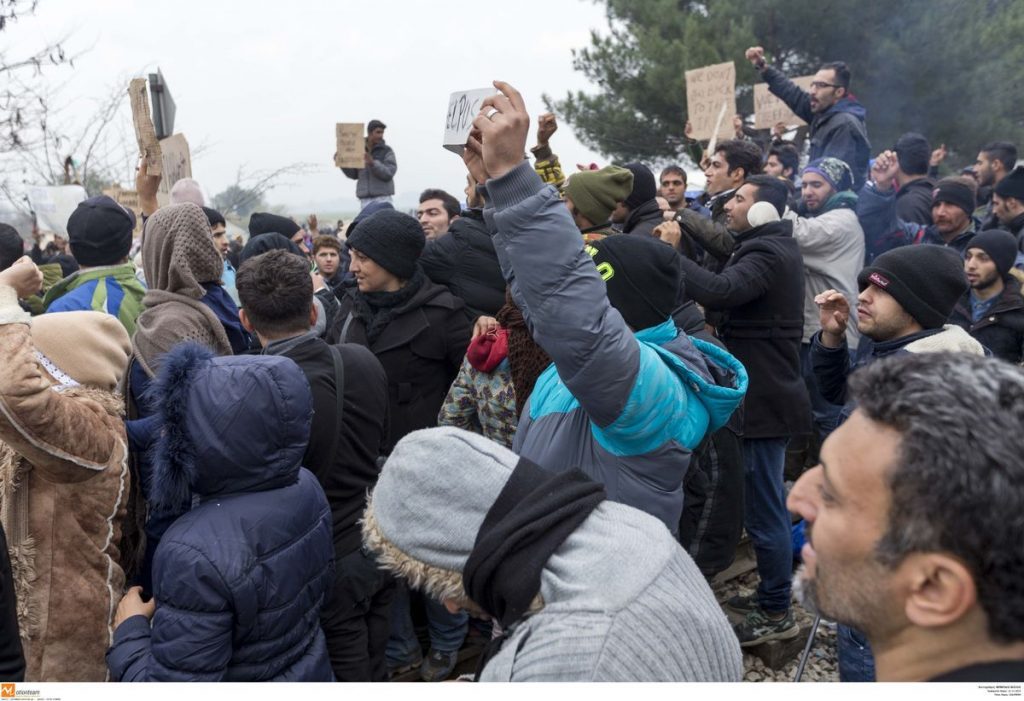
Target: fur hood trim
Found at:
x=173, y=455
x=952, y=338
x=439, y=583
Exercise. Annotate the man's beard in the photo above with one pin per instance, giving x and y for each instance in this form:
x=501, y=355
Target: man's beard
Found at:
x=986, y=283
x=805, y=591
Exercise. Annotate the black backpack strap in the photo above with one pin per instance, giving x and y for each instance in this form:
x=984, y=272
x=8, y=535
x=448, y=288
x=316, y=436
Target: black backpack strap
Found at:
x=339, y=393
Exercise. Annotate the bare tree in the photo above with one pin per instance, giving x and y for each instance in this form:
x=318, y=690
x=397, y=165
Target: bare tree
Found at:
x=20, y=103
x=247, y=193
x=69, y=144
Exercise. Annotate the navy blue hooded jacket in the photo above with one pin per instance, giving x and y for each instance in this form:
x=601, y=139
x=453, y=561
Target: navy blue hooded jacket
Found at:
x=240, y=579
x=840, y=131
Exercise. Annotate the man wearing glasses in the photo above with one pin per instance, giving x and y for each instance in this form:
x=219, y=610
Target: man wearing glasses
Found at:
x=836, y=119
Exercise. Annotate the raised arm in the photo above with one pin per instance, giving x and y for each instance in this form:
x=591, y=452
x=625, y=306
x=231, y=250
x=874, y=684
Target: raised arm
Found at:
x=781, y=86
x=565, y=300
x=876, y=210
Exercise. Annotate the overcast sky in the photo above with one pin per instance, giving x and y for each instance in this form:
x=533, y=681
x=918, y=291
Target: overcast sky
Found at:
x=262, y=84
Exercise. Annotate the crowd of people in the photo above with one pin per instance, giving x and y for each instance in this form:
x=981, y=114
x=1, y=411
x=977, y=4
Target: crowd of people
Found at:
x=541, y=418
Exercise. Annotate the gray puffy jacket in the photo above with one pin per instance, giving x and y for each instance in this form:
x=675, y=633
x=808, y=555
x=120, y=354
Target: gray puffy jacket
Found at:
x=379, y=179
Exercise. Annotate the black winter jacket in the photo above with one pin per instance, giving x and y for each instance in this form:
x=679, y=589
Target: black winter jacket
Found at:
x=1002, y=329
x=760, y=293
x=914, y=201
x=713, y=489
x=357, y=436
x=421, y=350
x=643, y=220
x=464, y=261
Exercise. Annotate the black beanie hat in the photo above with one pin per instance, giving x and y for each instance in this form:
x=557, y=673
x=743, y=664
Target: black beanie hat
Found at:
x=258, y=245
x=956, y=193
x=100, y=231
x=1012, y=185
x=214, y=217
x=643, y=277
x=1000, y=245
x=926, y=280
x=644, y=186
x=266, y=223
x=390, y=239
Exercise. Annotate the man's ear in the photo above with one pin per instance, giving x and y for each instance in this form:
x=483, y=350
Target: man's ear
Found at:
x=313, y=315
x=940, y=590
x=246, y=324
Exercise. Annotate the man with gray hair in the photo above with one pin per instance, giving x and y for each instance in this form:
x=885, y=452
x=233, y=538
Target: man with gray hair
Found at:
x=914, y=525
x=187, y=190
x=585, y=589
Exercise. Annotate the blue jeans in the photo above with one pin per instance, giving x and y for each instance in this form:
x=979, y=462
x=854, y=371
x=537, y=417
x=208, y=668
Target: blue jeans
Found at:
x=856, y=661
x=447, y=631
x=767, y=520
x=363, y=201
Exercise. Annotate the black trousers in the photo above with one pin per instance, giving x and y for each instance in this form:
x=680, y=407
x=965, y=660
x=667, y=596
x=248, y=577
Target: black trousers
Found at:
x=356, y=619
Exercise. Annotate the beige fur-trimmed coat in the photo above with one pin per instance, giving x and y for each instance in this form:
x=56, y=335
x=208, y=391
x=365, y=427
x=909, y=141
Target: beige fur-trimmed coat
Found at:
x=64, y=484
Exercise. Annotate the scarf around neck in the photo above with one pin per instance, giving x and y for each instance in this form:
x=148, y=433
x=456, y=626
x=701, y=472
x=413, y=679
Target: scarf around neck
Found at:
x=377, y=309
x=533, y=515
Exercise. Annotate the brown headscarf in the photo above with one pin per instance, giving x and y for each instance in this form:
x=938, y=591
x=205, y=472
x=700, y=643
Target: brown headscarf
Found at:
x=526, y=359
x=178, y=255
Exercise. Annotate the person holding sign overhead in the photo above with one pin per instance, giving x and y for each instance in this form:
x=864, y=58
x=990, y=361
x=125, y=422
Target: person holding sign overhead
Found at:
x=376, y=179
x=837, y=120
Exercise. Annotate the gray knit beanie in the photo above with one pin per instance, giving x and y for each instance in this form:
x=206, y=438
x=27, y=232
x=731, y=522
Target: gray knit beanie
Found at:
x=429, y=503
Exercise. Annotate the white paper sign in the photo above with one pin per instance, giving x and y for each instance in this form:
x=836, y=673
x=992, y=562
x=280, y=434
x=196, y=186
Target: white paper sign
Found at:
x=54, y=204
x=463, y=108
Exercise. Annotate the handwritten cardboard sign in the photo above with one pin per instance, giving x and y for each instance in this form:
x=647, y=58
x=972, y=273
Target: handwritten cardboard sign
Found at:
x=707, y=89
x=350, y=144
x=177, y=164
x=128, y=199
x=53, y=206
x=145, y=133
x=770, y=110
x=463, y=108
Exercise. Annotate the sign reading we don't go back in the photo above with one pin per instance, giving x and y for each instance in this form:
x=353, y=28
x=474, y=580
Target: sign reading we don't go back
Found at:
x=707, y=89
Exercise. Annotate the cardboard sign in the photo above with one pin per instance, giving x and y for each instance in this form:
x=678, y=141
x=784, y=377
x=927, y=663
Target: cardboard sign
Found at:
x=145, y=133
x=707, y=89
x=53, y=205
x=177, y=162
x=770, y=110
x=350, y=144
x=463, y=108
x=129, y=199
